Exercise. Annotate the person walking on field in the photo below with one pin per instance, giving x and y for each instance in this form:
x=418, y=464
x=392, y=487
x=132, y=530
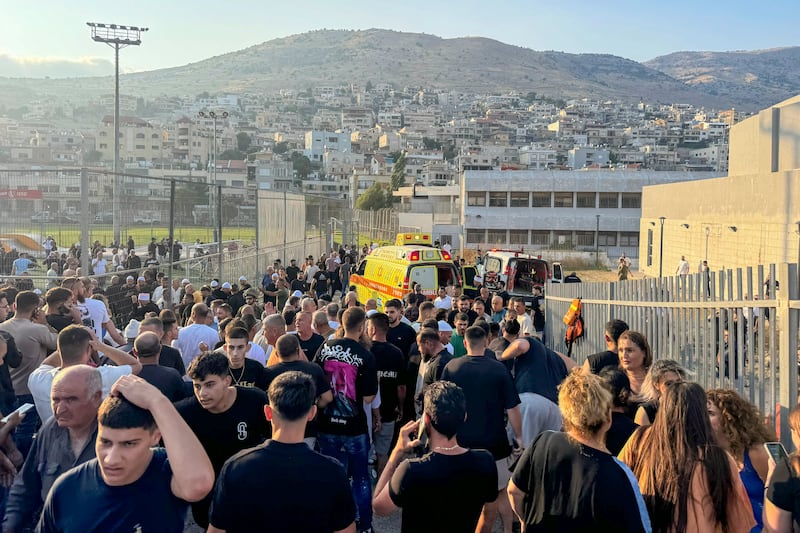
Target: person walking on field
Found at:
x=623, y=270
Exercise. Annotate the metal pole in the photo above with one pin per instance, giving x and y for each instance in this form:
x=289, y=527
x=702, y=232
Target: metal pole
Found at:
x=661, y=247
x=708, y=230
x=171, y=239
x=285, y=221
x=258, y=221
x=219, y=227
x=214, y=173
x=86, y=251
x=117, y=180
x=597, y=242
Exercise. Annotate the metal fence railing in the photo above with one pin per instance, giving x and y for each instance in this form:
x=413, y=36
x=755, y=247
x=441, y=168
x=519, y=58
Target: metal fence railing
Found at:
x=733, y=329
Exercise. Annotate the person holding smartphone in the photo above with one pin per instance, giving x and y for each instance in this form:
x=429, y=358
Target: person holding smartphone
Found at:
x=782, y=497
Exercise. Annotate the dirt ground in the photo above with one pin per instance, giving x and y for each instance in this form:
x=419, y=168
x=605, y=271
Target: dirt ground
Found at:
x=602, y=275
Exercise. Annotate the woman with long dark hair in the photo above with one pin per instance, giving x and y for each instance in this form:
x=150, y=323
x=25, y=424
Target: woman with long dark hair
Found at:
x=740, y=429
x=689, y=482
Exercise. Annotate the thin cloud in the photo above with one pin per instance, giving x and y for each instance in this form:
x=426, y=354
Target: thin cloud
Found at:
x=53, y=67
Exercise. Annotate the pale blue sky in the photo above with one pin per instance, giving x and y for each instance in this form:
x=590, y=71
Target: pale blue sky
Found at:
x=183, y=31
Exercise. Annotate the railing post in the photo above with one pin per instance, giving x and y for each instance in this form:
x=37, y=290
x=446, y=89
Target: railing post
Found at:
x=787, y=320
x=86, y=250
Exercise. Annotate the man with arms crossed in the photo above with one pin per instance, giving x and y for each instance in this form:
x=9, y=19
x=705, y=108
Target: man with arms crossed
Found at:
x=132, y=485
x=282, y=485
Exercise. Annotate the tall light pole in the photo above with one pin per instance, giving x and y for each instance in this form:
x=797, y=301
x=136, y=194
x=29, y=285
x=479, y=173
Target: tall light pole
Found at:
x=116, y=36
x=708, y=231
x=212, y=175
x=597, y=242
x=661, y=247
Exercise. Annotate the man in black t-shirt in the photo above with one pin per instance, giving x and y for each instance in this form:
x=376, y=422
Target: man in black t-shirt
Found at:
x=282, y=485
x=391, y=379
x=598, y=361
x=292, y=270
x=169, y=356
x=309, y=341
x=445, y=489
x=351, y=372
x=400, y=334
x=132, y=485
x=319, y=283
x=226, y=419
x=462, y=306
x=147, y=347
x=490, y=395
x=287, y=347
x=244, y=372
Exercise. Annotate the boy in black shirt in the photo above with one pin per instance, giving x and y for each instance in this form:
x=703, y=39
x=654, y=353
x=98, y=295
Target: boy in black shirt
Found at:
x=244, y=372
x=287, y=347
x=226, y=419
x=445, y=489
x=283, y=486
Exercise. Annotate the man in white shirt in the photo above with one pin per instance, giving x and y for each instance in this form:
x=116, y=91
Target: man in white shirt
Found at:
x=93, y=312
x=683, y=267
x=517, y=303
x=443, y=301
x=77, y=345
x=199, y=332
x=272, y=328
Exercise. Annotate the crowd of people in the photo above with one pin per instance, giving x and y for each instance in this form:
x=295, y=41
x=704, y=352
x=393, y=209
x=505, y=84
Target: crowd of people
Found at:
x=293, y=406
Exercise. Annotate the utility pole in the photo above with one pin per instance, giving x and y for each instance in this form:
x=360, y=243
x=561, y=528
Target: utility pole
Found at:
x=661, y=247
x=116, y=36
x=212, y=175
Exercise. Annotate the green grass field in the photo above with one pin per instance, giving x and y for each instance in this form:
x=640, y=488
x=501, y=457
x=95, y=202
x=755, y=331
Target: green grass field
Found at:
x=66, y=235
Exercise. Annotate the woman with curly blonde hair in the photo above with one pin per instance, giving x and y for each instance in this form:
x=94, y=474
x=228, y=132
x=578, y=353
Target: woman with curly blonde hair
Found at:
x=569, y=481
x=739, y=429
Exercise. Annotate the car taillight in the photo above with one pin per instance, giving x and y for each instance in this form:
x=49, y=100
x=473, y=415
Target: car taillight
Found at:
x=405, y=284
x=446, y=256
x=414, y=256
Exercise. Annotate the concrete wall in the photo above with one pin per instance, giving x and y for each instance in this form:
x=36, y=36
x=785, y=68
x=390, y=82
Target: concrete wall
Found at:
x=748, y=218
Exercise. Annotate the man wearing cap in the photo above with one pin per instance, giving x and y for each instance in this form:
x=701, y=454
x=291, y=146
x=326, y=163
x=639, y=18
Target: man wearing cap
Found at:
x=251, y=298
x=216, y=291
x=143, y=306
x=243, y=284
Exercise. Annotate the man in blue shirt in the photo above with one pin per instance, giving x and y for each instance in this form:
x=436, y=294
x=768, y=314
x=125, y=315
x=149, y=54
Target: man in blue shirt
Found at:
x=21, y=265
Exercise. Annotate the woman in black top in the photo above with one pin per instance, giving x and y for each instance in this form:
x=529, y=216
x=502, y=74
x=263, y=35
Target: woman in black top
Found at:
x=569, y=481
x=621, y=425
x=782, y=501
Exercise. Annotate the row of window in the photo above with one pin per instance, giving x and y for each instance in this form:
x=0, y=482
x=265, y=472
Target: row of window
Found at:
x=546, y=238
x=603, y=200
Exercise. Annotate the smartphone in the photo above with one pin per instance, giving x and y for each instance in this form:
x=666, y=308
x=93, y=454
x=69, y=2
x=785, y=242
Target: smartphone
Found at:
x=22, y=409
x=776, y=451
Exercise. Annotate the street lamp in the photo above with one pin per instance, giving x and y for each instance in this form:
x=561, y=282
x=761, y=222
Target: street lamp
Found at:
x=116, y=36
x=708, y=231
x=212, y=174
x=661, y=247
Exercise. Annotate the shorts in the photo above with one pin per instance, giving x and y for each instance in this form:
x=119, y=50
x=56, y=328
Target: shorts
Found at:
x=504, y=472
x=382, y=440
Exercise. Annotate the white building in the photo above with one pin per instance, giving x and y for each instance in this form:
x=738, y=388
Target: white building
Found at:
x=316, y=142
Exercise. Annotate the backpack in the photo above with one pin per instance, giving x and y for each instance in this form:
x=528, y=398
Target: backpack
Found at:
x=574, y=322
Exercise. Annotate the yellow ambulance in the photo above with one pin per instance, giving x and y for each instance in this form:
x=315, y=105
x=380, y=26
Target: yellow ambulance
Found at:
x=390, y=271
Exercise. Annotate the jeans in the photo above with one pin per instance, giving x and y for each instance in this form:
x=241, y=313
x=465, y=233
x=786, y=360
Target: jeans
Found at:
x=352, y=452
x=23, y=435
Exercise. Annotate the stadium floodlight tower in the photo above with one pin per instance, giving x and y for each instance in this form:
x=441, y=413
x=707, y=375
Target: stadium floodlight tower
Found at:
x=116, y=36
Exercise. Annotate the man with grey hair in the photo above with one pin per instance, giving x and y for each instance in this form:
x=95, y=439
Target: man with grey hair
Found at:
x=199, y=332
x=271, y=329
x=321, y=323
x=66, y=440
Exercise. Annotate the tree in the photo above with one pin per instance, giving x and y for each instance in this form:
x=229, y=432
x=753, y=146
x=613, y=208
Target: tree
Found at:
x=399, y=172
x=368, y=87
x=431, y=144
x=231, y=154
x=301, y=165
x=92, y=156
x=281, y=147
x=243, y=141
x=374, y=198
